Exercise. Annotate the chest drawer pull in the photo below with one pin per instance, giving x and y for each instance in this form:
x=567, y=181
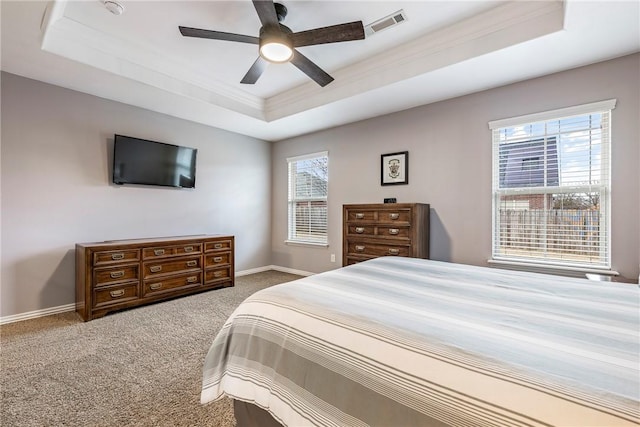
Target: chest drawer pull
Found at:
x=158, y=252
x=116, y=274
x=393, y=231
x=394, y=251
x=192, y=279
x=217, y=259
x=117, y=256
x=192, y=263
x=155, y=286
x=394, y=215
x=155, y=268
x=218, y=273
x=359, y=230
x=188, y=248
x=217, y=246
x=117, y=294
x=359, y=215
x=359, y=248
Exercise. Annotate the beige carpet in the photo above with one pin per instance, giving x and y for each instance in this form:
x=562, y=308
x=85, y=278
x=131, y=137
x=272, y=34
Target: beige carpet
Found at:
x=140, y=367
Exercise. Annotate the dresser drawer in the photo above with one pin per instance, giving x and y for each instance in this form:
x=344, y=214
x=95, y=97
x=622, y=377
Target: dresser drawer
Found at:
x=162, y=285
x=105, y=276
x=112, y=295
x=361, y=215
x=114, y=257
x=218, y=245
x=361, y=230
x=173, y=266
x=214, y=260
x=216, y=275
x=394, y=216
x=176, y=250
x=377, y=249
x=393, y=232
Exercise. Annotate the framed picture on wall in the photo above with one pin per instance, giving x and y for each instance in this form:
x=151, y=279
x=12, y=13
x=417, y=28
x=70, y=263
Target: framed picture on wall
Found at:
x=394, y=168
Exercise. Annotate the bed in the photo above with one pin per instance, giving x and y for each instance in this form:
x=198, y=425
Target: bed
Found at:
x=409, y=342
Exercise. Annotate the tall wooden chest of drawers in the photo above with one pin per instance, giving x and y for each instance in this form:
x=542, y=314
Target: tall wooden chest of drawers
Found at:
x=122, y=274
x=389, y=229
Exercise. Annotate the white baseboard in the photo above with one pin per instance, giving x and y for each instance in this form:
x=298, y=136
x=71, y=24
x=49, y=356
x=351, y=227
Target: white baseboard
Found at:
x=72, y=307
x=37, y=313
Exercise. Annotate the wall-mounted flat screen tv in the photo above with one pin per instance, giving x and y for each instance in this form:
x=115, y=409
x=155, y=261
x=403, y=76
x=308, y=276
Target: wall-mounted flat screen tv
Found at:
x=139, y=161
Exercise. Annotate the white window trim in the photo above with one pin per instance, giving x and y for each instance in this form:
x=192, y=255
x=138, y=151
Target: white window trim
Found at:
x=557, y=114
x=302, y=242
x=560, y=113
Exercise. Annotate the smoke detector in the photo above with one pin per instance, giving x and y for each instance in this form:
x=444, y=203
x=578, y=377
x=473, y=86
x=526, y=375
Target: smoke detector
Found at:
x=114, y=7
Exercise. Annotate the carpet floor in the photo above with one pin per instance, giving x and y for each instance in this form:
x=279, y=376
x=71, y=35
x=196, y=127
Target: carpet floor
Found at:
x=140, y=367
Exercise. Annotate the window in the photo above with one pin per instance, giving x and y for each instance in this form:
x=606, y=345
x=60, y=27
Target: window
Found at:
x=308, y=182
x=551, y=187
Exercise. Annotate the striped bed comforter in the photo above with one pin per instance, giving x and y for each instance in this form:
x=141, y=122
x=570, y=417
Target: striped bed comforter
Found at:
x=409, y=342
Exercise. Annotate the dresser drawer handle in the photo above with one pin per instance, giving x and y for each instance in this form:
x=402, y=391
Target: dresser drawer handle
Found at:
x=359, y=215
x=394, y=215
x=217, y=246
x=158, y=252
x=359, y=248
x=394, y=231
x=192, y=263
x=117, y=294
x=218, y=274
x=155, y=286
x=359, y=230
x=394, y=251
x=155, y=268
x=116, y=274
x=117, y=256
x=217, y=259
x=192, y=279
x=188, y=248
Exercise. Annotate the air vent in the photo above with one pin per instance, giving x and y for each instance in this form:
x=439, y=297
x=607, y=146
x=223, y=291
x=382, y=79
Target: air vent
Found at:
x=386, y=22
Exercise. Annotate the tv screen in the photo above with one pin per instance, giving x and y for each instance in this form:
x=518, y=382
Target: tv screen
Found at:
x=139, y=161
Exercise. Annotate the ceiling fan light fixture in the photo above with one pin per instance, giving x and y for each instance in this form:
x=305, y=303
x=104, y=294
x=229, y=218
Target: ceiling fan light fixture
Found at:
x=276, y=51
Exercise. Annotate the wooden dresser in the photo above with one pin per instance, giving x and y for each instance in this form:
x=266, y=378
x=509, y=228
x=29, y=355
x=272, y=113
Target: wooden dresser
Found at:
x=374, y=230
x=114, y=275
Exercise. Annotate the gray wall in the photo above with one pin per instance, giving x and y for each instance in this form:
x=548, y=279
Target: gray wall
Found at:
x=449, y=146
x=56, y=188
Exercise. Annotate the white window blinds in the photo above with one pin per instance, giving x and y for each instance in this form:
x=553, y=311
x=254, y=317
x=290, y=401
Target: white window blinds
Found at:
x=308, y=184
x=551, y=187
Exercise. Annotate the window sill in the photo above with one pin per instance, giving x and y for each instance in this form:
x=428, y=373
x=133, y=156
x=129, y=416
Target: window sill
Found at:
x=563, y=270
x=302, y=243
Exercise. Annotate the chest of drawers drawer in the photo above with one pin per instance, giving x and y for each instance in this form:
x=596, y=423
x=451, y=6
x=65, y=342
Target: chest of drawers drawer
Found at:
x=219, y=245
x=377, y=249
x=218, y=259
x=215, y=275
x=115, y=257
x=378, y=216
x=173, y=266
x=104, y=276
x=171, y=284
x=401, y=232
x=115, y=295
x=174, y=250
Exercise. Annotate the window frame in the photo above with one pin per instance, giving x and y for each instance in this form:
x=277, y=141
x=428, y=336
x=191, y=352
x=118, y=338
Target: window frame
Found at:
x=292, y=240
x=602, y=107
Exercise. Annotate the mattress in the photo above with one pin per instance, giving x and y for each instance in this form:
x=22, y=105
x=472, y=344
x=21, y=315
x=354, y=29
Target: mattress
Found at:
x=408, y=342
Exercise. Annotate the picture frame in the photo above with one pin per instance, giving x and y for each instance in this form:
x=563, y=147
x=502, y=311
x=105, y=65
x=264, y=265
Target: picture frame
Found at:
x=394, y=168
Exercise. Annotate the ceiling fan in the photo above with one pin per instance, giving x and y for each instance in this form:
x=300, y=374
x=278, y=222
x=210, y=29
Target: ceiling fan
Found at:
x=277, y=43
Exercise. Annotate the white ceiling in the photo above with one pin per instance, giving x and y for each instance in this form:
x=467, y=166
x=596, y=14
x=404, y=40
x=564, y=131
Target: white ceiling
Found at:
x=444, y=49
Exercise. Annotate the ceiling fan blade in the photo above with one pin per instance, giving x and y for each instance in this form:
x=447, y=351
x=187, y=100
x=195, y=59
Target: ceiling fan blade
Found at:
x=305, y=65
x=217, y=35
x=332, y=34
x=255, y=71
x=266, y=12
